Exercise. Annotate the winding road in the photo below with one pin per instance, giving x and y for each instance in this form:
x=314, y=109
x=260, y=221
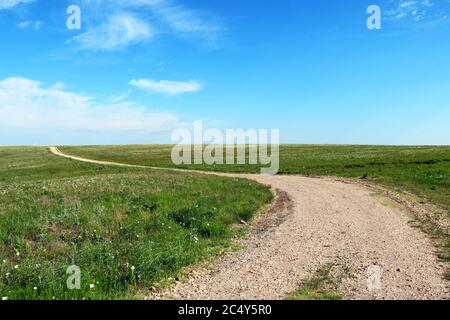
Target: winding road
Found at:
x=378, y=251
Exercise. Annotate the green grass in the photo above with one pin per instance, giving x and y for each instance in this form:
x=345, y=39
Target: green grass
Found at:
x=127, y=229
x=321, y=286
x=424, y=171
x=56, y=212
x=421, y=170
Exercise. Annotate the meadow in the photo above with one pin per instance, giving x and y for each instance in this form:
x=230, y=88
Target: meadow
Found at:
x=126, y=229
x=132, y=229
x=421, y=170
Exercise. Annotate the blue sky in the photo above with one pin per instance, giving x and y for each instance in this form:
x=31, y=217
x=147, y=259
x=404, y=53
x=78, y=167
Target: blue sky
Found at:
x=138, y=69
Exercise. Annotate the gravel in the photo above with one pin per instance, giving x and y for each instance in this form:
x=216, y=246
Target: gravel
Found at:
x=326, y=221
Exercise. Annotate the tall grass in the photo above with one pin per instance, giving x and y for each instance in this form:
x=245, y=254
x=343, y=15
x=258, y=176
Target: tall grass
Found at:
x=125, y=229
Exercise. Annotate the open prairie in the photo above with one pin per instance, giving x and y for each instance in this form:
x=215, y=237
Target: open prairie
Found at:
x=224, y=150
x=424, y=171
x=125, y=228
x=130, y=229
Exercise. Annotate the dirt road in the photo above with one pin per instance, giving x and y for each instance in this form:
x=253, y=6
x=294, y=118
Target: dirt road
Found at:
x=370, y=237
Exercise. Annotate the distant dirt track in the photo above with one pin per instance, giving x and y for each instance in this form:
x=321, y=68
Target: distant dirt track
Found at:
x=329, y=222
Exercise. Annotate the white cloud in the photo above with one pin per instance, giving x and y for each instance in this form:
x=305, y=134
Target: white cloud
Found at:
x=36, y=25
x=120, y=97
x=163, y=14
x=24, y=24
x=117, y=33
x=6, y=4
x=415, y=10
x=184, y=21
x=166, y=87
x=28, y=105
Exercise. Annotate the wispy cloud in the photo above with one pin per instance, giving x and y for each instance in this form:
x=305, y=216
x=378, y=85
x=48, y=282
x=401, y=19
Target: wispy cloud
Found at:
x=184, y=21
x=27, y=104
x=416, y=10
x=118, y=32
x=150, y=16
x=6, y=4
x=166, y=87
x=35, y=25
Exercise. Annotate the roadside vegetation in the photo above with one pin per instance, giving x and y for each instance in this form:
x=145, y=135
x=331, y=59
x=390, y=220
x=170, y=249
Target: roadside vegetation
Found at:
x=129, y=229
x=322, y=285
x=424, y=171
x=126, y=229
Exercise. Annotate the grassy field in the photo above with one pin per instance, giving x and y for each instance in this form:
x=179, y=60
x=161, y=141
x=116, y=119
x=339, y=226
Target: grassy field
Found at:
x=424, y=171
x=126, y=229
x=420, y=170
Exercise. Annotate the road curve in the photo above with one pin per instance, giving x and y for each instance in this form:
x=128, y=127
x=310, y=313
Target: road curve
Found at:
x=369, y=238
